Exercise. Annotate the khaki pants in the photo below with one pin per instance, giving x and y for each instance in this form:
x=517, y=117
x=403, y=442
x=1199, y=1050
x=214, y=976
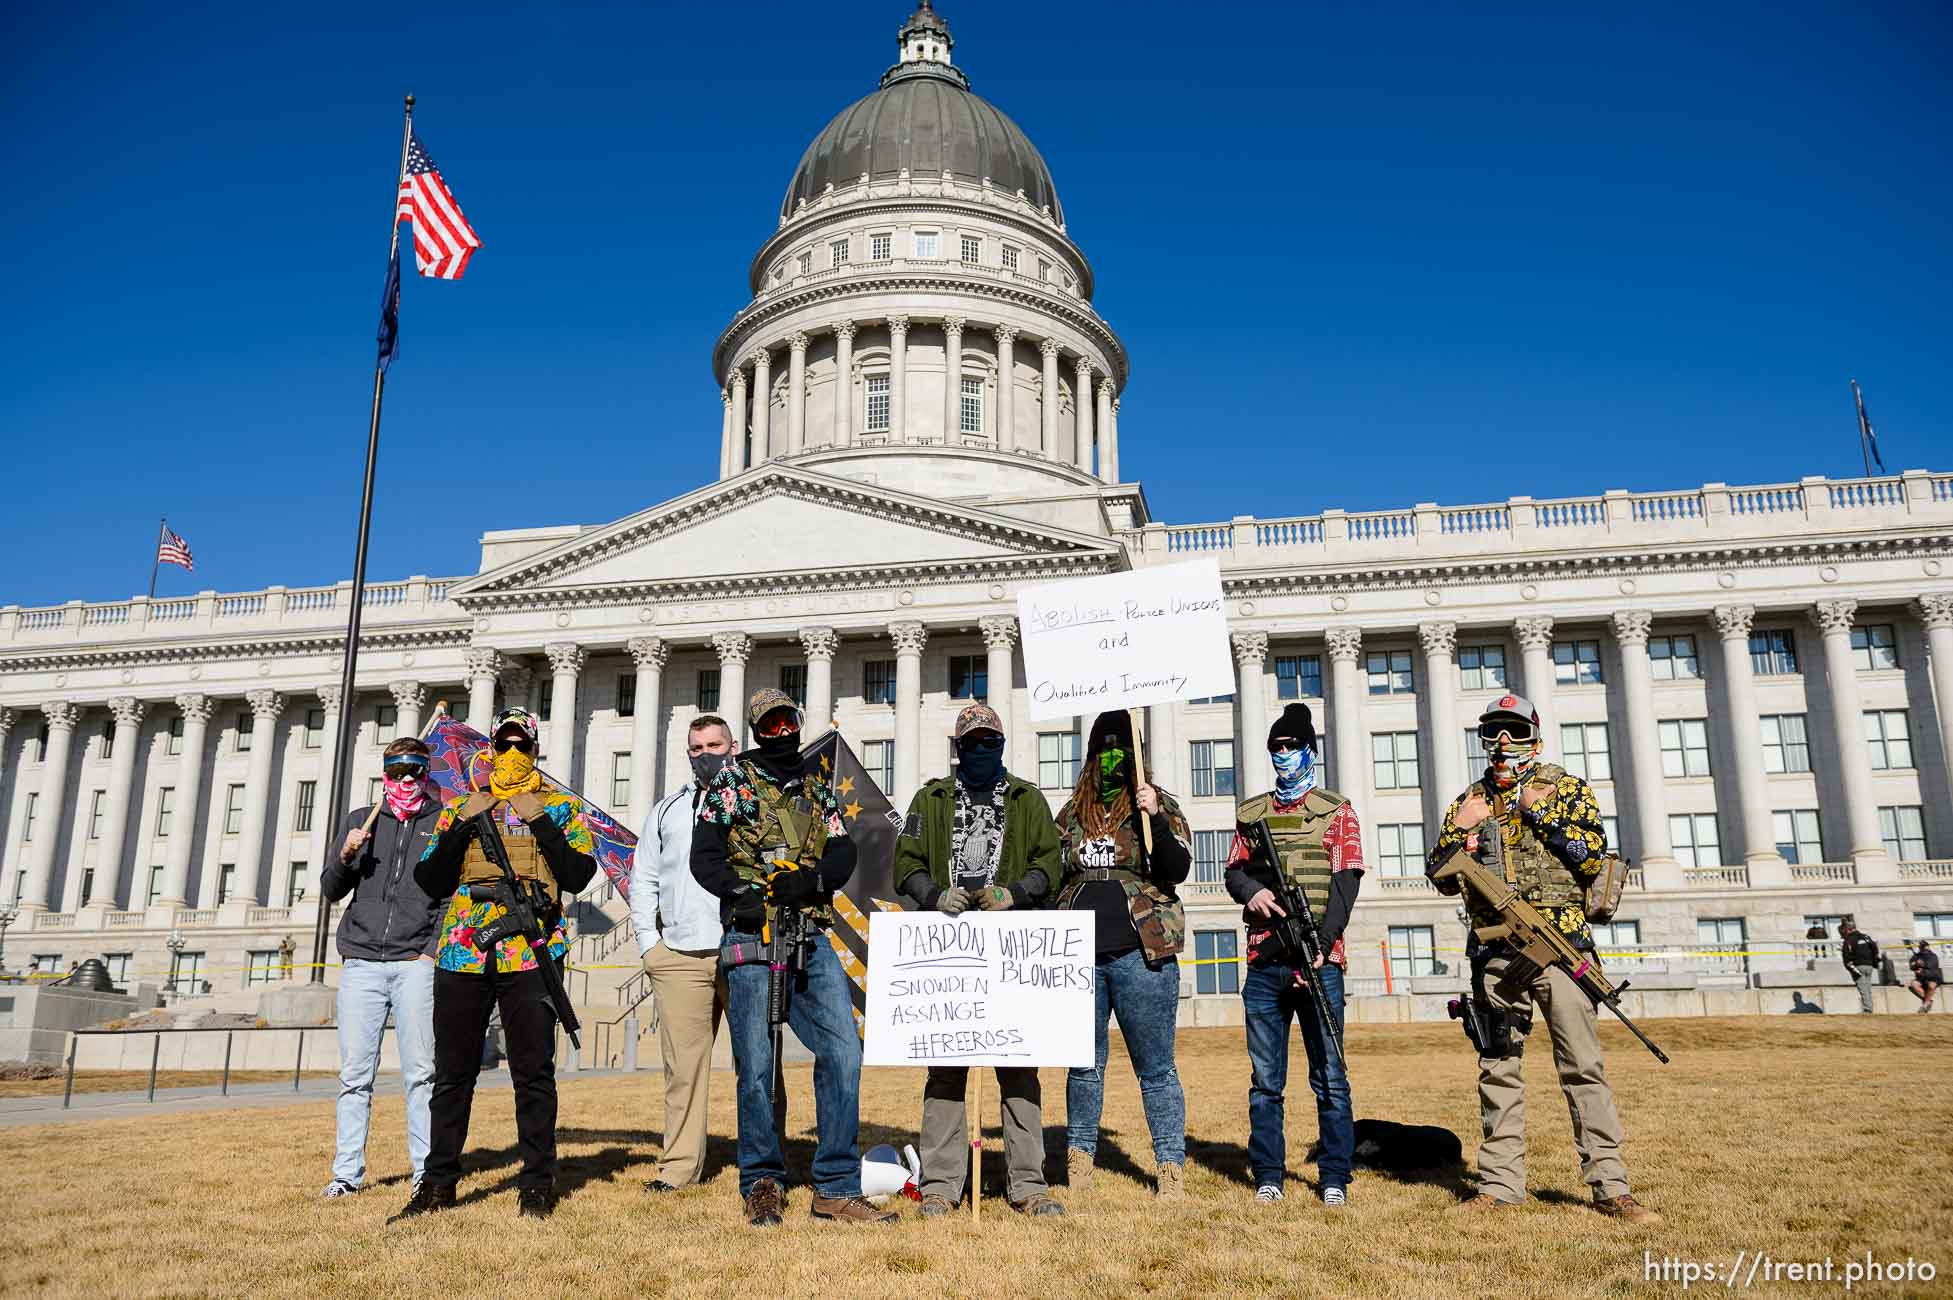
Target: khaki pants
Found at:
x=1571, y=1024
x=691, y=999
x=946, y=1139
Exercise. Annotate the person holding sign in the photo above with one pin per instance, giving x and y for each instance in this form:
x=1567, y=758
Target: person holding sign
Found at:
x=1315, y=832
x=1141, y=928
x=979, y=839
x=770, y=842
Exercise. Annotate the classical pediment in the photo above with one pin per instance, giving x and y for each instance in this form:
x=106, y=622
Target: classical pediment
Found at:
x=779, y=523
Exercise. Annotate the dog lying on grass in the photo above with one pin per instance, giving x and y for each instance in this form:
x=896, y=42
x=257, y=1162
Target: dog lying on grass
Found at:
x=1390, y=1147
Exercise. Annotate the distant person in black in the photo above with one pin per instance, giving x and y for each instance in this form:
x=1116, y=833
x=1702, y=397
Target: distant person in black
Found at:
x=1860, y=961
x=1925, y=975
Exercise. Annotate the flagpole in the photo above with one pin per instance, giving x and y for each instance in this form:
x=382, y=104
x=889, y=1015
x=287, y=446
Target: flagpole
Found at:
x=1864, y=446
x=156, y=563
x=342, y=754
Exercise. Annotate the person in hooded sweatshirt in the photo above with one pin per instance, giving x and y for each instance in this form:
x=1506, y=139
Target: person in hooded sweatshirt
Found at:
x=1140, y=926
x=744, y=851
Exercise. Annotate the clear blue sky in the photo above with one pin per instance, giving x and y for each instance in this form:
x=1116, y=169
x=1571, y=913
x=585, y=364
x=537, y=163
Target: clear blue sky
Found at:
x=1406, y=253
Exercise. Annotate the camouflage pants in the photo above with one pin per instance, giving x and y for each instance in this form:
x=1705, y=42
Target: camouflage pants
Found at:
x=1571, y=1024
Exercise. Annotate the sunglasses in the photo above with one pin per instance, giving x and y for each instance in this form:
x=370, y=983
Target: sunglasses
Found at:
x=1286, y=746
x=774, y=725
x=503, y=744
x=1514, y=733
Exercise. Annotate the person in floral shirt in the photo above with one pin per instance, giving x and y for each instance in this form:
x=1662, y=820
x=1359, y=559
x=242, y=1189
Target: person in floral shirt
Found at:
x=551, y=851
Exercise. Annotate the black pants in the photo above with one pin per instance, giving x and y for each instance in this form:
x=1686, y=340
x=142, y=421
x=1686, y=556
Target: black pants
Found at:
x=461, y=1007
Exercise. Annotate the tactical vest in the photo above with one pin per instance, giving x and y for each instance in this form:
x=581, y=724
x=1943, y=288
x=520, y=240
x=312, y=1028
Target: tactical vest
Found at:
x=1531, y=867
x=1300, y=836
x=777, y=829
x=525, y=856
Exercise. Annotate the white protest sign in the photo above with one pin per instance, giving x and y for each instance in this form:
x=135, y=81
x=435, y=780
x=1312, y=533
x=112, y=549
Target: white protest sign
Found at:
x=983, y=988
x=1125, y=639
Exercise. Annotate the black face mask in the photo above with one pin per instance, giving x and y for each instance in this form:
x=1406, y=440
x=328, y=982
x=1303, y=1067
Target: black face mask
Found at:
x=980, y=761
x=707, y=766
x=778, y=747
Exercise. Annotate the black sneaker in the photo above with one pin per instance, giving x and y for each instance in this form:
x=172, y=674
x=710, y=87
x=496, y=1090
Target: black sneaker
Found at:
x=428, y=1197
x=535, y=1203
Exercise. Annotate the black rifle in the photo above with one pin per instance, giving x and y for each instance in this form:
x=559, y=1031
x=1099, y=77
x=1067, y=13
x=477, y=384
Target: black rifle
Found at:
x=1300, y=936
x=521, y=918
x=786, y=939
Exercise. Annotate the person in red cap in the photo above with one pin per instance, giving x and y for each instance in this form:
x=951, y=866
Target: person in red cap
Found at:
x=1548, y=822
x=979, y=838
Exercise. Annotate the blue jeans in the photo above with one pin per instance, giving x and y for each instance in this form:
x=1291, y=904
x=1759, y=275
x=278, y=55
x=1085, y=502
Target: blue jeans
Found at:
x=1270, y=996
x=1147, y=1002
x=367, y=991
x=821, y=1015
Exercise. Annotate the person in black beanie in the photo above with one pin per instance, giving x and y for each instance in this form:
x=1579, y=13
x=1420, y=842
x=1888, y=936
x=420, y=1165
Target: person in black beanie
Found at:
x=1320, y=844
x=1141, y=928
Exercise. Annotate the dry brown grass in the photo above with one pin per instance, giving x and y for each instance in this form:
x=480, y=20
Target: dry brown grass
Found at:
x=1802, y=1137
x=137, y=1080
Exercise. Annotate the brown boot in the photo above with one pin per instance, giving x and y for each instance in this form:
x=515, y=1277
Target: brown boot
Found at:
x=935, y=1206
x=1078, y=1168
x=1038, y=1205
x=850, y=1209
x=1626, y=1207
x=1486, y=1201
x=1173, y=1183
x=765, y=1204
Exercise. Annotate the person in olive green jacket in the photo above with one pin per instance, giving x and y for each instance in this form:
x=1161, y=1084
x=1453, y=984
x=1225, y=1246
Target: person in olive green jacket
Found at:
x=983, y=839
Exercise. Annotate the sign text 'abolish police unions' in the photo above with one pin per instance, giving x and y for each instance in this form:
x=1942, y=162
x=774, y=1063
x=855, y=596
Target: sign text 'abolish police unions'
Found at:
x=1125, y=640
x=983, y=988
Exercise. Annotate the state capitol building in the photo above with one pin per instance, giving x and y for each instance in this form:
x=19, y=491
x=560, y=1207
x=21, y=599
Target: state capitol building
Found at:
x=920, y=411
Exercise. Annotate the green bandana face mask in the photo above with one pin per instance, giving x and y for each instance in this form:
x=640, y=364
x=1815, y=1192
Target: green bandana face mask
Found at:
x=1112, y=766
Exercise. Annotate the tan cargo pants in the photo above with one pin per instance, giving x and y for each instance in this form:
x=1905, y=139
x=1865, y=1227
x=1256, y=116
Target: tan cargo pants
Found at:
x=691, y=998
x=1571, y=1024
x=946, y=1140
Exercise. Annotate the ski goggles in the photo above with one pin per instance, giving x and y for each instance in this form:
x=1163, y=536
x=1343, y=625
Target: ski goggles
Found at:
x=1509, y=731
x=400, y=768
x=780, y=722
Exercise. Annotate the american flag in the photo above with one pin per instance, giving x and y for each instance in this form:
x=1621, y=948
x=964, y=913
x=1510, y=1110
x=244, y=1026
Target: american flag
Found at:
x=443, y=239
x=174, y=550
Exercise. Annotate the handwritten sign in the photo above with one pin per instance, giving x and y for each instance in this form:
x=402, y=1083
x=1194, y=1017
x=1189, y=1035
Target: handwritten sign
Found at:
x=1125, y=639
x=983, y=988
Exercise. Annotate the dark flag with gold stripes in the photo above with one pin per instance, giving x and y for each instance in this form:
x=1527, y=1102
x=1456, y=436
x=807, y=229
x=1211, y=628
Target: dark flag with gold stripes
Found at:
x=873, y=825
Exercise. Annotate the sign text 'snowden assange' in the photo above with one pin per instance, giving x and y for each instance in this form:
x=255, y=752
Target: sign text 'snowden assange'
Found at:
x=983, y=988
x=1125, y=640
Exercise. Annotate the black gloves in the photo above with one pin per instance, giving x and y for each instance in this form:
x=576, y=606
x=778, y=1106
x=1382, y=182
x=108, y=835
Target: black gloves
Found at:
x=749, y=909
x=794, y=888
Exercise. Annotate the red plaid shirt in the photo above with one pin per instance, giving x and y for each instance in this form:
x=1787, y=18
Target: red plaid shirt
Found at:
x=1343, y=840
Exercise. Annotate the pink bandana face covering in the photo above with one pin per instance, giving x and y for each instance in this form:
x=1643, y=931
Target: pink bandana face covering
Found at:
x=405, y=795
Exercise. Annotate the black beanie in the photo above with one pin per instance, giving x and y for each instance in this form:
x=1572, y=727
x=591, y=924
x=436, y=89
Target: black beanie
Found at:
x=1296, y=723
x=1113, y=724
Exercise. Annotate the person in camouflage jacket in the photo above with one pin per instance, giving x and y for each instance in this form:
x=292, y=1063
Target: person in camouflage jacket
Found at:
x=1141, y=926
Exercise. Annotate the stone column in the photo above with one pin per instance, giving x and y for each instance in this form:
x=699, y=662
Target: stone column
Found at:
x=1112, y=444
x=762, y=404
x=1081, y=395
x=1936, y=612
x=1163, y=753
x=734, y=648
x=909, y=640
x=48, y=812
x=6, y=742
x=1659, y=869
x=844, y=384
x=196, y=710
x=480, y=665
x=1000, y=641
x=1535, y=638
x=952, y=379
x=566, y=660
x=1875, y=865
x=819, y=644
x=1048, y=400
x=1349, y=764
x=1006, y=390
x=725, y=433
x=740, y=447
x=1746, y=733
x=409, y=698
x=266, y=706
x=325, y=818
x=796, y=393
x=1252, y=771
x=650, y=654
x=1446, y=768
x=898, y=379
x=127, y=711
x=1108, y=459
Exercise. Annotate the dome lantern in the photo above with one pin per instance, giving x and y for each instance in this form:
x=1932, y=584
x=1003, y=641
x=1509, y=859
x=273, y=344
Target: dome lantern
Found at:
x=925, y=37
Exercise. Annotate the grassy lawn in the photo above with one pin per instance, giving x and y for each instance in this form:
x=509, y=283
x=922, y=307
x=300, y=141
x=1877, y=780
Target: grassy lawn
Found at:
x=1801, y=1137
x=137, y=1080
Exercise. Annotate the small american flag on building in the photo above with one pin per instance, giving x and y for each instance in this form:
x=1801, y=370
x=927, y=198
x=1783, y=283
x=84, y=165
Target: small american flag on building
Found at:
x=174, y=550
x=443, y=239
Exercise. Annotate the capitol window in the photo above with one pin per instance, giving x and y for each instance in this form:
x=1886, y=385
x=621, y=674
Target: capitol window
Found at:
x=1044, y=269
x=314, y=728
x=1400, y=849
x=1889, y=739
x=1672, y=658
x=881, y=247
x=972, y=249
x=175, y=745
x=1786, y=743
x=1059, y=754
x=165, y=808
x=971, y=420
x=1695, y=840
x=839, y=251
x=246, y=723
x=877, y=421
x=1390, y=672
x=1298, y=677
x=878, y=760
x=805, y=263
x=1773, y=652
x=878, y=681
x=1902, y=829
x=1482, y=667
x=1875, y=647
x=708, y=690
x=1009, y=258
x=1584, y=748
x=1393, y=755
x=1576, y=663
x=1797, y=835
x=1684, y=746
x=925, y=243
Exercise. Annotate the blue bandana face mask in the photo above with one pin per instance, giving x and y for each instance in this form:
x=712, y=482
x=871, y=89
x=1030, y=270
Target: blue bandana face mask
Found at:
x=1295, y=773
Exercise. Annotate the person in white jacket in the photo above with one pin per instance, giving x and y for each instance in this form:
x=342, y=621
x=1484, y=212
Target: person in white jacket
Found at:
x=678, y=934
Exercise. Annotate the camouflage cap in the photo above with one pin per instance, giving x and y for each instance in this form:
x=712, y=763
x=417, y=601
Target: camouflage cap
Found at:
x=766, y=700
x=976, y=717
x=521, y=719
